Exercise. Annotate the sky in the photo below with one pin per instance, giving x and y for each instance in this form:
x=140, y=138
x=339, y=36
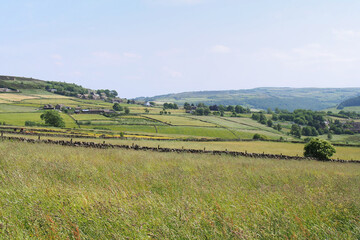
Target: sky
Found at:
x=153, y=47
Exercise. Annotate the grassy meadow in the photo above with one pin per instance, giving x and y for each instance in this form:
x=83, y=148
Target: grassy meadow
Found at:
x=285, y=148
x=54, y=192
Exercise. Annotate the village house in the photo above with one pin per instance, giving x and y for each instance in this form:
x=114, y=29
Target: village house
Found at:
x=103, y=95
x=148, y=104
x=116, y=100
x=77, y=110
x=48, y=107
x=52, y=90
x=95, y=96
x=6, y=90
x=59, y=106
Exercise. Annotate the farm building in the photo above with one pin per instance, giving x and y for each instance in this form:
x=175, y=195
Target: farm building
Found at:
x=7, y=90
x=59, y=106
x=48, y=107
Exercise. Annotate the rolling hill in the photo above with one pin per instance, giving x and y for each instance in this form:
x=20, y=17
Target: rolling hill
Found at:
x=263, y=98
x=351, y=102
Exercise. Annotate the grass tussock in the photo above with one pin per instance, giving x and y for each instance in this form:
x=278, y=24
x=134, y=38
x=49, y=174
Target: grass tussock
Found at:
x=54, y=192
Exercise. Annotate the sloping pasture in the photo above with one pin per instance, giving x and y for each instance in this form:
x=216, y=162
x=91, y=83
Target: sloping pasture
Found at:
x=55, y=192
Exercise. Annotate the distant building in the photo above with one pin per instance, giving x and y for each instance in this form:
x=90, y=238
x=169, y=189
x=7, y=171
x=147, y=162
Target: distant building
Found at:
x=103, y=95
x=59, y=106
x=77, y=110
x=95, y=96
x=8, y=90
x=48, y=107
x=116, y=100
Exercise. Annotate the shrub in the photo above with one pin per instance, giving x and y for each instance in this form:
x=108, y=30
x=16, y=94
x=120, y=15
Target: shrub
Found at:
x=259, y=137
x=318, y=148
x=32, y=124
x=117, y=107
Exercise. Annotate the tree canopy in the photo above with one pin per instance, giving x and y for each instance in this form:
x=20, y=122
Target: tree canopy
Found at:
x=319, y=148
x=53, y=118
x=117, y=107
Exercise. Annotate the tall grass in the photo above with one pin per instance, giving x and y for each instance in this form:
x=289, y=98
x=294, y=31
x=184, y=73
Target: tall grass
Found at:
x=54, y=192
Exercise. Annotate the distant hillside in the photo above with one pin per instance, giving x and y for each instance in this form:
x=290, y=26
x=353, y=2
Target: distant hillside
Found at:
x=13, y=83
x=263, y=98
x=352, y=102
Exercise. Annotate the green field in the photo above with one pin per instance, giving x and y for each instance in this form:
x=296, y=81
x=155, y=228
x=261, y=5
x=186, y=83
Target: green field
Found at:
x=224, y=122
x=347, y=109
x=180, y=120
x=81, y=117
x=54, y=192
x=243, y=128
x=197, y=131
x=123, y=128
x=7, y=108
x=18, y=119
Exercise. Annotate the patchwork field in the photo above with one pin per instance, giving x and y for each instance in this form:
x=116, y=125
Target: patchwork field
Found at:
x=180, y=120
x=197, y=131
x=18, y=119
x=80, y=117
x=54, y=192
x=14, y=97
x=4, y=101
x=15, y=108
x=123, y=128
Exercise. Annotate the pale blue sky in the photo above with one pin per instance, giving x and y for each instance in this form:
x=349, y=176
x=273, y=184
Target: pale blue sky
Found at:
x=151, y=47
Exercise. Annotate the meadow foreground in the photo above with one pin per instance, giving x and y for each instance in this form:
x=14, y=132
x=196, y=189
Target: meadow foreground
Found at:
x=55, y=192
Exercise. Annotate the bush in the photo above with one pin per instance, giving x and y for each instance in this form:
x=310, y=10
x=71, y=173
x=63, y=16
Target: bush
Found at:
x=259, y=137
x=117, y=107
x=318, y=148
x=32, y=124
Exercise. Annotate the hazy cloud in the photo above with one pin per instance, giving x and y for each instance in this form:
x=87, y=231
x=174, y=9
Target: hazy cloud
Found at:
x=172, y=73
x=306, y=55
x=175, y=2
x=220, y=49
x=57, y=59
x=132, y=55
x=106, y=57
x=346, y=34
x=169, y=52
